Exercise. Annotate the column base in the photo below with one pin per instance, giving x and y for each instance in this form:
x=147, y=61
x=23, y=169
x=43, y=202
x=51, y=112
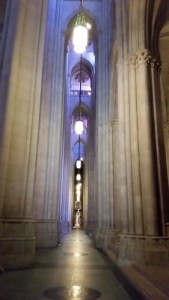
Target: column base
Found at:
x=89, y=228
x=127, y=249
x=102, y=237
x=65, y=228
x=47, y=233
x=17, y=243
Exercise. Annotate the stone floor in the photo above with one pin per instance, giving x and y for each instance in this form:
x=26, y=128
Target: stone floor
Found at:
x=75, y=270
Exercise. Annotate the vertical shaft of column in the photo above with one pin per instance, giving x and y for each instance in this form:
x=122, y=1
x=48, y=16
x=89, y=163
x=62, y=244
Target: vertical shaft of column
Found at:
x=128, y=151
x=160, y=145
x=123, y=192
x=110, y=177
x=103, y=125
x=122, y=154
x=146, y=144
x=22, y=73
x=22, y=109
x=115, y=150
x=138, y=214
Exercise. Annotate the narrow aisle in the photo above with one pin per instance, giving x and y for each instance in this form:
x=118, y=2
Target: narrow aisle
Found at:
x=75, y=270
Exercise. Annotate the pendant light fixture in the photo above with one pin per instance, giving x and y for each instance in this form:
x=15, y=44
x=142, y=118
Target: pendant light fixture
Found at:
x=80, y=32
x=79, y=123
x=78, y=161
x=78, y=177
x=80, y=43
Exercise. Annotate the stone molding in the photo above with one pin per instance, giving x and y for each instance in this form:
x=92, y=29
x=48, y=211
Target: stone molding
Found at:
x=102, y=237
x=47, y=233
x=17, y=242
x=143, y=249
x=16, y=227
x=127, y=249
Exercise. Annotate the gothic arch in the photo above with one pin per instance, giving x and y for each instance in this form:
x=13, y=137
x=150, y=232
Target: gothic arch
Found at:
x=160, y=18
x=84, y=109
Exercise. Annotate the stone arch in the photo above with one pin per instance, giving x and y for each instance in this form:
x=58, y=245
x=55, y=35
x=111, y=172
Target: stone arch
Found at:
x=87, y=72
x=160, y=17
x=84, y=109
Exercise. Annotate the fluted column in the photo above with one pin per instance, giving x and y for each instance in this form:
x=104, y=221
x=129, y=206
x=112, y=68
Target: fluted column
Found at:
x=20, y=93
x=116, y=206
x=163, y=187
x=166, y=133
x=138, y=209
x=146, y=144
x=103, y=171
x=47, y=190
x=66, y=177
x=122, y=150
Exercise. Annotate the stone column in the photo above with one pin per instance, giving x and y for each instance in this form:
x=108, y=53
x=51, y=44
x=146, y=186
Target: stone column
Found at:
x=103, y=182
x=47, y=190
x=116, y=208
x=122, y=150
x=163, y=187
x=66, y=170
x=148, y=244
x=166, y=134
x=20, y=90
x=146, y=144
x=138, y=209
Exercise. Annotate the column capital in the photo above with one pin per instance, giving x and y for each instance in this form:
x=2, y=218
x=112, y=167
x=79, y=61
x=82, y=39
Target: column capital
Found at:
x=114, y=122
x=144, y=56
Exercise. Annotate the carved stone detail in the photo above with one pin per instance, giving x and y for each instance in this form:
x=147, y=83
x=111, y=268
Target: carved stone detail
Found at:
x=144, y=56
x=114, y=123
x=132, y=61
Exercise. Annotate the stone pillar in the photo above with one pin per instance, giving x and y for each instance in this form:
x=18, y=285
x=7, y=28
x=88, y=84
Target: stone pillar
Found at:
x=66, y=170
x=149, y=243
x=116, y=208
x=146, y=144
x=47, y=190
x=103, y=170
x=20, y=93
x=166, y=134
x=161, y=167
x=122, y=150
x=131, y=223
x=138, y=209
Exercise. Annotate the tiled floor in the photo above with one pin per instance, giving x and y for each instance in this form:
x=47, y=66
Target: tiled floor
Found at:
x=75, y=263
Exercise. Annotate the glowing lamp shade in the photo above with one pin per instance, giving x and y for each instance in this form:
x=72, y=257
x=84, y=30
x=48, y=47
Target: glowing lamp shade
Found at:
x=78, y=193
x=78, y=164
x=78, y=177
x=80, y=39
x=78, y=127
x=78, y=186
x=78, y=198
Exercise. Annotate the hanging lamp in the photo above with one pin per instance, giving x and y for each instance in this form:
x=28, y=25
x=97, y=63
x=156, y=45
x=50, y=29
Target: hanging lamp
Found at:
x=78, y=177
x=79, y=123
x=78, y=161
x=80, y=32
